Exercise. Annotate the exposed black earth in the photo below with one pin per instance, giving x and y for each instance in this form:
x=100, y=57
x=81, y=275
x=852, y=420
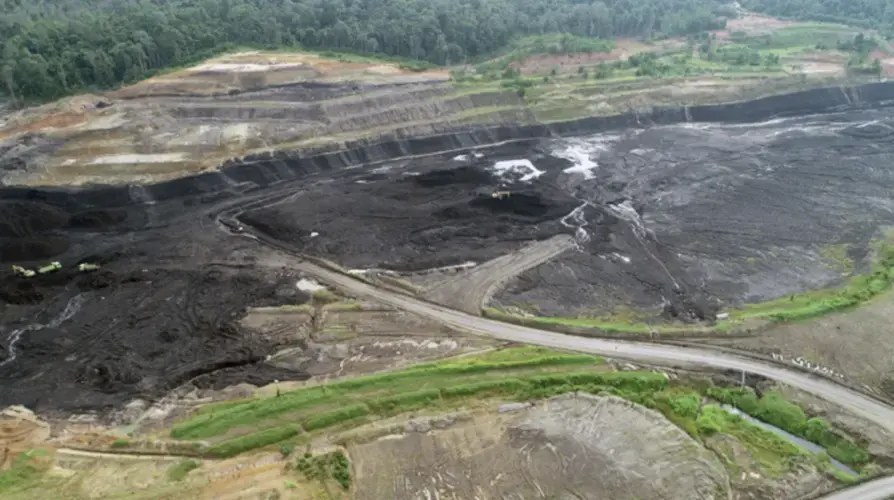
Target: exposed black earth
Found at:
x=735, y=213
x=676, y=218
x=423, y=213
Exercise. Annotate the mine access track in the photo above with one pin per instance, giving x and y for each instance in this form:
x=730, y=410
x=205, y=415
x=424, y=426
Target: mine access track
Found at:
x=659, y=354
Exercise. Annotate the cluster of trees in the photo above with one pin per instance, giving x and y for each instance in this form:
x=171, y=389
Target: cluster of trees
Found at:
x=50, y=48
x=738, y=54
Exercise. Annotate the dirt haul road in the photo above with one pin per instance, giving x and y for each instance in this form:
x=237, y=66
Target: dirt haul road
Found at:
x=858, y=404
x=470, y=290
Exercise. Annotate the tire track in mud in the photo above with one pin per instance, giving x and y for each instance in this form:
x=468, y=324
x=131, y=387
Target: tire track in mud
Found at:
x=470, y=290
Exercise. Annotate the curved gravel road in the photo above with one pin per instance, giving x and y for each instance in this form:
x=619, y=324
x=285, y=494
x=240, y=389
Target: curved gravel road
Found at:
x=857, y=403
x=470, y=290
x=880, y=489
x=863, y=406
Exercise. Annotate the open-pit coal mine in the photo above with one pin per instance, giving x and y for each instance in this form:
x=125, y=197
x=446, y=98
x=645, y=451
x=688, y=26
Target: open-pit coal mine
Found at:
x=679, y=212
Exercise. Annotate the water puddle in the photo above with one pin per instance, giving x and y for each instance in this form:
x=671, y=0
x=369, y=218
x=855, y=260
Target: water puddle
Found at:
x=801, y=443
x=73, y=306
x=575, y=219
x=626, y=212
x=579, y=152
x=517, y=170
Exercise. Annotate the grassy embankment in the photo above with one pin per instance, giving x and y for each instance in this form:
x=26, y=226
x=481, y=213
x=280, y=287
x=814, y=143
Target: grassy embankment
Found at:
x=290, y=420
x=743, y=67
x=25, y=475
x=511, y=374
x=774, y=409
x=796, y=307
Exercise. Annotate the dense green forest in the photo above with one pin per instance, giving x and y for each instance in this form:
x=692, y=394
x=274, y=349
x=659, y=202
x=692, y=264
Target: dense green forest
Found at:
x=878, y=14
x=51, y=48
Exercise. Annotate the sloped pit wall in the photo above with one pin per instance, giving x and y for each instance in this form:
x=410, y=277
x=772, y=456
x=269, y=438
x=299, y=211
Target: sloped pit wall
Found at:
x=258, y=171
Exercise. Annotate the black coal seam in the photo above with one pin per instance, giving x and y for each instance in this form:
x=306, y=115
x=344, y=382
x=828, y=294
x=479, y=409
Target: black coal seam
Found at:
x=266, y=169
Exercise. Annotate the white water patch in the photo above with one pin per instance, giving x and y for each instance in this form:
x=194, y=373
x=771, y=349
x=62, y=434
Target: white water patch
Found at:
x=626, y=212
x=877, y=123
x=622, y=258
x=580, y=152
x=770, y=129
x=575, y=219
x=517, y=170
x=73, y=306
x=453, y=268
x=139, y=158
x=309, y=286
x=361, y=272
x=457, y=267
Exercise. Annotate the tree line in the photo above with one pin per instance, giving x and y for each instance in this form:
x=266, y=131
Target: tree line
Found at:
x=52, y=48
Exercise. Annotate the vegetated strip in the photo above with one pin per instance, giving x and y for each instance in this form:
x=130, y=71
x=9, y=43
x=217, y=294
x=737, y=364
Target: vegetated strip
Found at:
x=524, y=387
x=679, y=402
x=857, y=290
x=178, y=471
x=235, y=446
x=773, y=409
x=222, y=418
x=800, y=306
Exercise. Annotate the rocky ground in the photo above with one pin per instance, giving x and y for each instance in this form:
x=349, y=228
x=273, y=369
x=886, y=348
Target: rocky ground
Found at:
x=564, y=447
x=570, y=446
x=197, y=118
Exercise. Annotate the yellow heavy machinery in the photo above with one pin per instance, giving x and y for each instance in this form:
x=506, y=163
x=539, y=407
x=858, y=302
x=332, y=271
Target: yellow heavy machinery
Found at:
x=52, y=267
x=500, y=195
x=21, y=271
